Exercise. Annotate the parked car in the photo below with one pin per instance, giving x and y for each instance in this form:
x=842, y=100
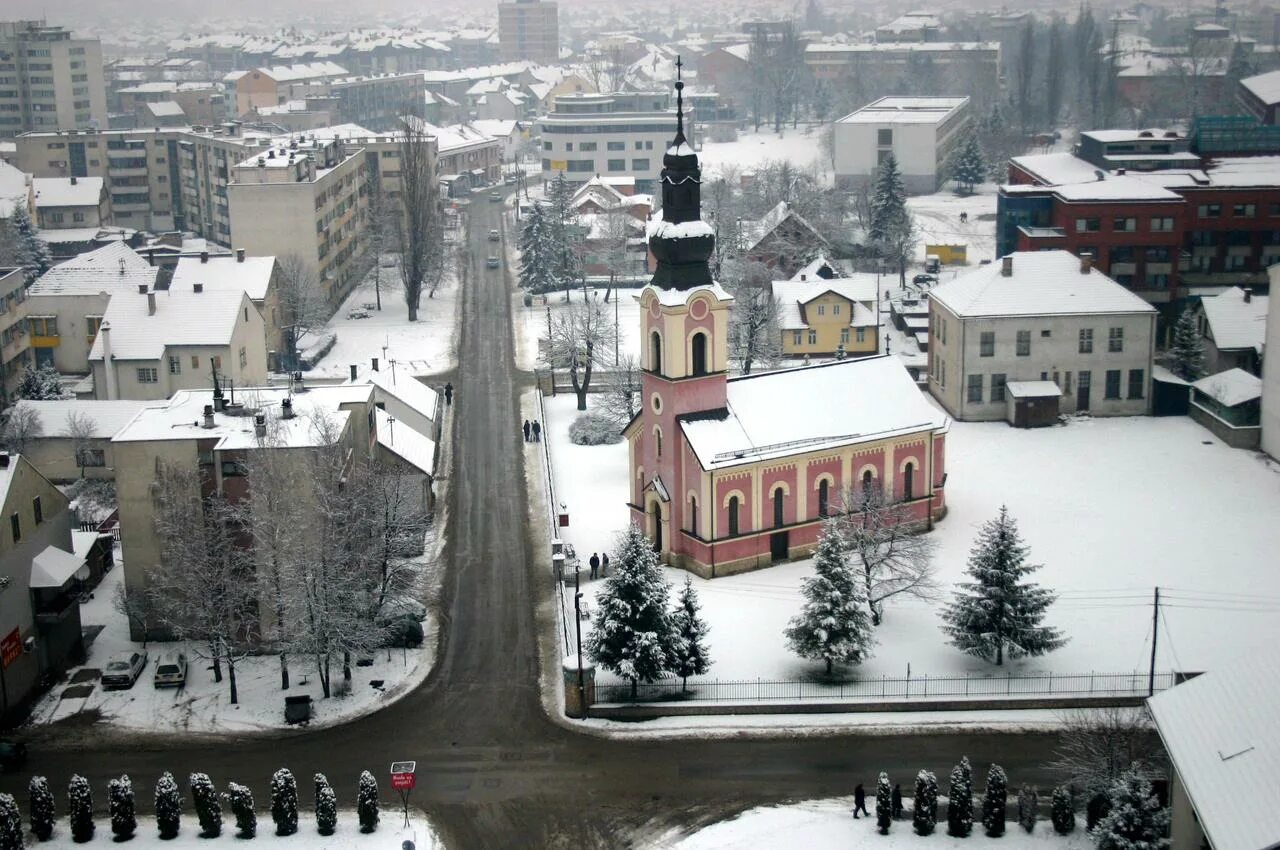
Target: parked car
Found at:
x=495, y=198
x=510, y=180
x=493, y=263
x=124, y=669
x=13, y=755
x=171, y=670
x=494, y=236
x=922, y=279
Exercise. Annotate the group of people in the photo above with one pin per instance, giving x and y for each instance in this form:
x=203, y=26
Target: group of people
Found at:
x=532, y=432
x=599, y=565
x=860, y=802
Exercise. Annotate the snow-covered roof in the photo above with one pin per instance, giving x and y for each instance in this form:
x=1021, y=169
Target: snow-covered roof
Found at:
x=406, y=443
x=813, y=408
x=660, y=228
x=182, y=317
x=814, y=268
x=739, y=51
x=105, y=417
x=1265, y=87
x=906, y=110
x=1220, y=732
x=1043, y=283
x=754, y=232
x=251, y=276
x=1116, y=188
x=53, y=567
x=1232, y=387
x=1033, y=389
x=679, y=297
x=408, y=390
x=82, y=542
x=1057, y=169
x=304, y=71
x=67, y=191
x=793, y=295
x=114, y=267
x=1234, y=322
x=163, y=109
x=1145, y=134
x=498, y=128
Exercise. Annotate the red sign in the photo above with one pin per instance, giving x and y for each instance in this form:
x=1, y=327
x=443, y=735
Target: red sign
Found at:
x=11, y=647
x=564, y=520
x=403, y=781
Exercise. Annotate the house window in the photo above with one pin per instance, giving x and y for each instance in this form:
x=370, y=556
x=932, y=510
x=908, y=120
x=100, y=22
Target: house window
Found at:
x=78, y=217
x=148, y=375
x=779, y=513
x=657, y=441
x=813, y=336
x=15, y=525
x=1024, y=344
x=1244, y=210
x=217, y=362
x=733, y=516
x=908, y=483
x=616, y=146
x=655, y=353
x=37, y=509
x=195, y=361
x=797, y=337
x=884, y=137
x=1137, y=383
x=244, y=357
x=175, y=365
x=617, y=165
x=1115, y=340
x=1209, y=210
x=997, y=387
x=1086, y=340
x=1045, y=334
x=568, y=146
x=640, y=164
x=882, y=155
x=861, y=334
x=1113, y=384
x=698, y=346
x=975, y=389
x=1088, y=225
x=824, y=497
x=693, y=515
x=1125, y=225
x=844, y=336
x=91, y=325
x=835, y=309
x=987, y=344
x=822, y=309
x=92, y=457
x=233, y=469
x=587, y=147
x=1162, y=224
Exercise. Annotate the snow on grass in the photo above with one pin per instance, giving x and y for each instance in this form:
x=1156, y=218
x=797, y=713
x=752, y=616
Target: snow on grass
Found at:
x=1111, y=507
x=829, y=825
x=938, y=217
x=531, y=322
x=391, y=832
x=801, y=146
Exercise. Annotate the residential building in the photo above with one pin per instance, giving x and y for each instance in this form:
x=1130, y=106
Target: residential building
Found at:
x=199, y=103
x=15, y=343
x=529, y=29
x=1271, y=372
x=256, y=277
x=623, y=133
x=63, y=456
x=1044, y=316
x=280, y=83
x=827, y=316
x=466, y=158
x=376, y=102
x=49, y=80
x=513, y=136
x=1220, y=733
x=920, y=132
x=957, y=67
x=1233, y=324
x=70, y=202
x=911, y=27
x=782, y=239
x=1259, y=96
x=15, y=187
x=303, y=198
x=1137, y=150
x=153, y=343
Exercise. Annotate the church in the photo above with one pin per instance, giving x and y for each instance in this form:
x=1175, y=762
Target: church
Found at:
x=730, y=474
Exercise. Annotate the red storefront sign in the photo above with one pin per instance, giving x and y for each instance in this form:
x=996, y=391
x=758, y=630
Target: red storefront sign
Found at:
x=10, y=647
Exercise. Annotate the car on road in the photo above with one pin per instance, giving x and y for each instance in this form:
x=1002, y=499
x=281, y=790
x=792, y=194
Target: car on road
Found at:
x=171, y=670
x=495, y=198
x=13, y=755
x=494, y=236
x=493, y=263
x=923, y=279
x=124, y=669
x=510, y=180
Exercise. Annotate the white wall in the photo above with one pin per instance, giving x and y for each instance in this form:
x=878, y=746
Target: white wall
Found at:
x=1271, y=371
x=914, y=145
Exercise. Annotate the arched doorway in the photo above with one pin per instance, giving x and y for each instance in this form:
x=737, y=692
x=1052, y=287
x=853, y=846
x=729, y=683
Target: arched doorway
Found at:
x=698, y=348
x=656, y=514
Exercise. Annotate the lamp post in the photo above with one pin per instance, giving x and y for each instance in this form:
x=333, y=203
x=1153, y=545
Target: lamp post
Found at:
x=577, y=625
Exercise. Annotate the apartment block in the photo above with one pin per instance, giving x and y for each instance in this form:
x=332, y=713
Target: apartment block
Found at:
x=920, y=132
x=15, y=345
x=623, y=133
x=529, y=29
x=49, y=80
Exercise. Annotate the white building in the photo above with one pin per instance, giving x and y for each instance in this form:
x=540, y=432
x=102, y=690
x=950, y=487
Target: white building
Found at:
x=1234, y=326
x=1271, y=373
x=1040, y=316
x=624, y=133
x=919, y=131
x=70, y=202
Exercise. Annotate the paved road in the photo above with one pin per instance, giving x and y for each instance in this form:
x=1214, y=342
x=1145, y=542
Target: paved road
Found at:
x=494, y=771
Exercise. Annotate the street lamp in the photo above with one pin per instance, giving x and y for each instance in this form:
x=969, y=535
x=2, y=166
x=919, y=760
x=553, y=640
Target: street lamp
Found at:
x=577, y=625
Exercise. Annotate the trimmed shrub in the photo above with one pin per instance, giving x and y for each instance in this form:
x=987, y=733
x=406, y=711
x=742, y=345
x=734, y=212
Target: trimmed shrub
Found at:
x=326, y=806
x=994, y=801
x=205, y=799
x=960, y=800
x=367, y=802
x=884, y=804
x=40, y=807
x=1062, y=811
x=80, y=806
x=594, y=429
x=1028, y=802
x=925, y=811
x=168, y=807
x=124, y=817
x=240, y=799
x=284, y=802
x=10, y=824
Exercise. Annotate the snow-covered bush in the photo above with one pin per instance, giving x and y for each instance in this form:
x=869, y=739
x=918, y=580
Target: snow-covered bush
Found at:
x=594, y=429
x=884, y=804
x=124, y=817
x=1136, y=820
x=80, y=805
x=367, y=802
x=10, y=823
x=960, y=800
x=168, y=806
x=925, y=816
x=240, y=799
x=284, y=802
x=1028, y=802
x=40, y=807
x=205, y=799
x=326, y=806
x=994, y=801
x=1062, y=811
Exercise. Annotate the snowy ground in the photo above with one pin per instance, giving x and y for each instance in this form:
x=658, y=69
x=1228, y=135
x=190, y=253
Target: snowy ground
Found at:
x=391, y=833
x=800, y=146
x=938, y=217
x=1101, y=503
x=531, y=322
x=828, y=825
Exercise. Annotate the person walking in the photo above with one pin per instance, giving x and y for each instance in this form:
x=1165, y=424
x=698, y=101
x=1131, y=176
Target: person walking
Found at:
x=595, y=564
x=537, y=431
x=604, y=565
x=526, y=430
x=448, y=393
x=896, y=801
x=860, y=802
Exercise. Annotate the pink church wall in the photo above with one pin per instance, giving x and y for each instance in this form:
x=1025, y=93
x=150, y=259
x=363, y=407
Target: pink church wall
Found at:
x=939, y=459
x=815, y=471
x=790, y=500
x=724, y=486
x=919, y=479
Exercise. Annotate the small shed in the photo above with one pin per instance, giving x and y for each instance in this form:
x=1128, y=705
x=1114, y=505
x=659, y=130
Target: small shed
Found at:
x=1230, y=405
x=948, y=255
x=1032, y=404
x=1171, y=396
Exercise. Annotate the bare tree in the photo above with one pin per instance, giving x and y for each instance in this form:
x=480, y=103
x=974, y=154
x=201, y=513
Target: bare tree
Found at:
x=380, y=233
x=81, y=428
x=606, y=69
x=895, y=558
x=420, y=235
x=22, y=426
x=621, y=399
x=754, y=334
x=136, y=609
x=1095, y=747
x=581, y=335
x=615, y=242
x=304, y=307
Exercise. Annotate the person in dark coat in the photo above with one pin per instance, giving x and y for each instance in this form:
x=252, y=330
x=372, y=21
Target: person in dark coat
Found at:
x=448, y=393
x=604, y=565
x=896, y=801
x=595, y=564
x=537, y=431
x=526, y=430
x=860, y=802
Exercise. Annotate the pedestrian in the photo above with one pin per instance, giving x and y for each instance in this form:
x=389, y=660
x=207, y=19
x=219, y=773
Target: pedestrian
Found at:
x=860, y=802
x=537, y=431
x=595, y=564
x=604, y=565
x=526, y=430
x=448, y=393
x=896, y=801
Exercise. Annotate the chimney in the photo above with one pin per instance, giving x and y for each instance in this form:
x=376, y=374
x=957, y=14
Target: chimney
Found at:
x=204, y=256
x=4, y=460
x=1006, y=265
x=108, y=365
x=1248, y=295
x=208, y=416
x=239, y=255
x=1086, y=263
x=260, y=425
x=197, y=287
x=804, y=277
x=151, y=303
x=375, y=364
x=142, y=289
x=353, y=373
x=74, y=180
x=286, y=409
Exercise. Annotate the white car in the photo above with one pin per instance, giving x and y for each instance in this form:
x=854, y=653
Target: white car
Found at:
x=124, y=669
x=171, y=670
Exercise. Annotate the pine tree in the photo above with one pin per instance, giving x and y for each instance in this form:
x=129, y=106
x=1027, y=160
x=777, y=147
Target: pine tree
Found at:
x=124, y=816
x=33, y=253
x=80, y=809
x=967, y=165
x=538, y=261
x=1186, y=355
x=240, y=799
x=834, y=625
x=40, y=807
x=925, y=809
x=960, y=800
x=1028, y=805
x=168, y=806
x=367, y=802
x=284, y=802
x=1136, y=820
x=994, y=801
x=884, y=804
x=1062, y=811
x=888, y=201
x=205, y=799
x=326, y=806
x=999, y=612
x=10, y=824
x=632, y=635
x=40, y=384
x=566, y=264
x=689, y=654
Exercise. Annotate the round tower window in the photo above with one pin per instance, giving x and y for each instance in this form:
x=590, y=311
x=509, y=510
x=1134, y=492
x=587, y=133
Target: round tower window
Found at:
x=657, y=403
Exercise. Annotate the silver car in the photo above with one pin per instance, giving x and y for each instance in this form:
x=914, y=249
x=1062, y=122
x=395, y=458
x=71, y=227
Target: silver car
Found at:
x=171, y=670
x=124, y=669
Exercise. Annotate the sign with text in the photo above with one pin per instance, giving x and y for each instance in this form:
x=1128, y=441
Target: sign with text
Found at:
x=10, y=648
x=403, y=776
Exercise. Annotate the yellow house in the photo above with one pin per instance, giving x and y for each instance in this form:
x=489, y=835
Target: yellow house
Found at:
x=824, y=317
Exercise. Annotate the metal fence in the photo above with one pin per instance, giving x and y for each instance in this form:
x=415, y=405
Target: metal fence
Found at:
x=887, y=688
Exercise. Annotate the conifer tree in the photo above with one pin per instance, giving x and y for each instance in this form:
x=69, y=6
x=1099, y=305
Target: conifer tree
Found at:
x=892, y=230
x=689, y=649
x=994, y=801
x=40, y=384
x=168, y=806
x=33, y=253
x=240, y=799
x=284, y=802
x=1028, y=804
x=1136, y=820
x=999, y=612
x=1062, y=811
x=205, y=800
x=10, y=824
x=833, y=626
x=367, y=802
x=326, y=806
x=884, y=804
x=80, y=809
x=1186, y=355
x=538, y=261
x=925, y=810
x=960, y=800
x=966, y=165
x=124, y=816
x=631, y=634
x=40, y=807
x=566, y=263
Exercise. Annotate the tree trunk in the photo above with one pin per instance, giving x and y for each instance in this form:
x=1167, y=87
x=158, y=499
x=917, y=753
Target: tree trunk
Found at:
x=635, y=684
x=284, y=672
x=413, y=312
x=829, y=667
x=231, y=674
x=1000, y=654
x=346, y=666
x=217, y=662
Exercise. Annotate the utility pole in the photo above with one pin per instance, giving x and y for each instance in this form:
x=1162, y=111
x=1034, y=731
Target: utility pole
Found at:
x=1155, y=633
x=577, y=622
